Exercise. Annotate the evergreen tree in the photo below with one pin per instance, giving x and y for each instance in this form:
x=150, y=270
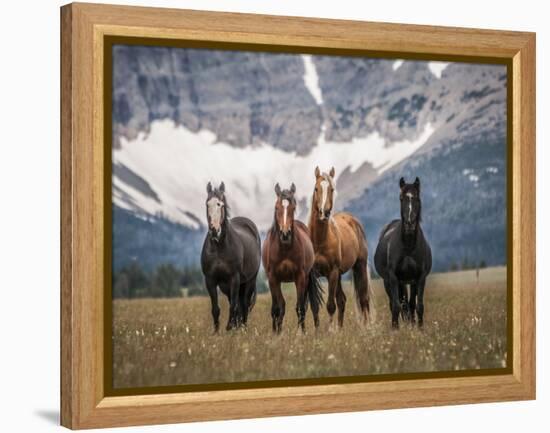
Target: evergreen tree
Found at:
x=166, y=282
x=121, y=286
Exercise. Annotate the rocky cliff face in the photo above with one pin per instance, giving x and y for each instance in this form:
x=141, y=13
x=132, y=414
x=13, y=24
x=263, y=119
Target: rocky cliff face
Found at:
x=254, y=98
x=244, y=98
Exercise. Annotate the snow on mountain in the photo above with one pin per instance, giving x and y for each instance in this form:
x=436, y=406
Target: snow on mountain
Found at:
x=177, y=163
x=311, y=79
x=397, y=64
x=437, y=68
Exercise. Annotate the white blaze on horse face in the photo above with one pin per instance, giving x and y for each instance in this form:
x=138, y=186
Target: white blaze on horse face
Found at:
x=324, y=193
x=214, y=209
x=285, y=204
x=409, y=195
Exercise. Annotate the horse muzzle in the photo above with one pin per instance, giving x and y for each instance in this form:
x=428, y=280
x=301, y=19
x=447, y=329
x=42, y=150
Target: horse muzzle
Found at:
x=285, y=237
x=409, y=227
x=323, y=215
x=215, y=233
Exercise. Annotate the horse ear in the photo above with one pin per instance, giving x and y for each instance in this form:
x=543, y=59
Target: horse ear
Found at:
x=317, y=172
x=332, y=172
x=222, y=187
x=209, y=188
x=292, y=188
x=401, y=183
x=417, y=183
x=277, y=189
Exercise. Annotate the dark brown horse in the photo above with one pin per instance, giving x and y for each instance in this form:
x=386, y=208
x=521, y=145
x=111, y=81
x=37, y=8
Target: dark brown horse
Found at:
x=287, y=256
x=340, y=245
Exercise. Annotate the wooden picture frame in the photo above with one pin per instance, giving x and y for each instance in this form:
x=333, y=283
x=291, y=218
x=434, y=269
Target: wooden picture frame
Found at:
x=84, y=28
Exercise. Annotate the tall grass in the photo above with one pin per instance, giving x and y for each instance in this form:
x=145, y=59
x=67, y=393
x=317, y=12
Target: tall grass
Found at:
x=170, y=341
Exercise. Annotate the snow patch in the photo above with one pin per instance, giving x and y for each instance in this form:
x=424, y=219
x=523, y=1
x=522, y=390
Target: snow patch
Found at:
x=397, y=64
x=311, y=79
x=437, y=68
x=178, y=164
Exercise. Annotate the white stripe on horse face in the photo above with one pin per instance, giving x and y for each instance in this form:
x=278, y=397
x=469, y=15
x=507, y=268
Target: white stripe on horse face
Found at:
x=409, y=195
x=324, y=190
x=214, y=209
x=285, y=204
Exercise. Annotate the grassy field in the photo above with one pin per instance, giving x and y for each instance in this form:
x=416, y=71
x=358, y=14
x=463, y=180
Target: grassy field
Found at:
x=170, y=341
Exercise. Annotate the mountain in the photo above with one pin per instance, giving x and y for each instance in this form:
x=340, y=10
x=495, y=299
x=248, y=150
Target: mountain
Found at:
x=243, y=97
x=462, y=167
x=153, y=240
x=182, y=117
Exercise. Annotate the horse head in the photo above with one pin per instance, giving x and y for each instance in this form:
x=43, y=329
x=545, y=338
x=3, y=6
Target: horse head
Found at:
x=285, y=206
x=323, y=194
x=216, y=210
x=411, y=205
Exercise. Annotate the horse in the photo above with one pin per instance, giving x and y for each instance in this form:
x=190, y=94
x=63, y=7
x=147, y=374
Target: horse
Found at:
x=340, y=244
x=404, y=257
x=230, y=259
x=287, y=256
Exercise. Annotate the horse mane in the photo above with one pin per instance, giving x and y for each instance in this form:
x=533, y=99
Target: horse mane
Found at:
x=227, y=210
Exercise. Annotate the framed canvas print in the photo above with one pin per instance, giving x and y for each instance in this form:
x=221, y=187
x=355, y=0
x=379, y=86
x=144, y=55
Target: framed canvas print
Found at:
x=273, y=216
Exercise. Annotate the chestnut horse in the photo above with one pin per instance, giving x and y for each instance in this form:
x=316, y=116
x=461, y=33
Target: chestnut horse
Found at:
x=340, y=245
x=287, y=256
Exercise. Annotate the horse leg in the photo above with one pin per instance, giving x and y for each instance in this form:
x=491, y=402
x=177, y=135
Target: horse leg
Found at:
x=277, y=305
x=341, y=302
x=361, y=286
x=243, y=302
x=248, y=298
x=212, y=288
x=333, y=277
x=412, y=303
x=403, y=301
x=420, y=306
x=234, y=304
x=393, y=286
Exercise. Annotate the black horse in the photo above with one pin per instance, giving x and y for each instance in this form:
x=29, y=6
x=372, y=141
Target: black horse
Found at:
x=230, y=259
x=403, y=257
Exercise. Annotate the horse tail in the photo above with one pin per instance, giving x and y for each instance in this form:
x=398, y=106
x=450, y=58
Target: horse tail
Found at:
x=314, y=290
x=252, y=300
x=370, y=294
x=363, y=290
x=252, y=294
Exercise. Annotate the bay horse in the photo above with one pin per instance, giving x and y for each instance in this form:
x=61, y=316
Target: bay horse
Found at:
x=230, y=259
x=403, y=257
x=288, y=256
x=340, y=244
